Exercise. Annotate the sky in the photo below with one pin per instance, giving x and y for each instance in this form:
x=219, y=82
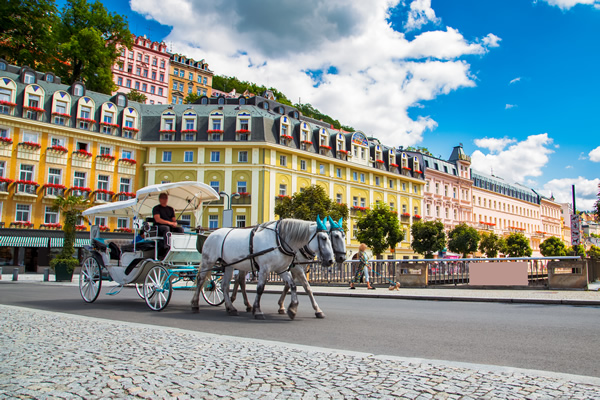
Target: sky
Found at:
x=514, y=81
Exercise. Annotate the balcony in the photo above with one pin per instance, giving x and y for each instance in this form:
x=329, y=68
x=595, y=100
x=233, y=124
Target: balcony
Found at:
x=242, y=200
x=103, y=196
x=26, y=188
x=29, y=151
x=54, y=191
x=122, y=196
x=216, y=202
x=84, y=193
x=357, y=210
x=4, y=185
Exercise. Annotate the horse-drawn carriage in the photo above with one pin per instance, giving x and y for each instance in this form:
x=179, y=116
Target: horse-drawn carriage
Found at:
x=138, y=260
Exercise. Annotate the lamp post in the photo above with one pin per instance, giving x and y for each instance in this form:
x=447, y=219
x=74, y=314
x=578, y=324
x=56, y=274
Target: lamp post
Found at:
x=228, y=212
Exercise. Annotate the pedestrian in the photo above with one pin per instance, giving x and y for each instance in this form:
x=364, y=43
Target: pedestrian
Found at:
x=363, y=267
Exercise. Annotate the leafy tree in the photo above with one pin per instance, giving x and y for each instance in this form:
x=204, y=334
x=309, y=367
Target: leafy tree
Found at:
x=134, y=95
x=517, y=245
x=491, y=244
x=90, y=39
x=463, y=239
x=26, y=33
x=597, y=206
x=578, y=250
x=309, y=203
x=428, y=237
x=70, y=207
x=228, y=83
x=553, y=247
x=422, y=150
x=379, y=229
x=191, y=98
x=594, y=252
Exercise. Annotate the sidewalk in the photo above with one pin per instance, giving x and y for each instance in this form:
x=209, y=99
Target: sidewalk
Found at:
x=591, y=297
x=54, y=355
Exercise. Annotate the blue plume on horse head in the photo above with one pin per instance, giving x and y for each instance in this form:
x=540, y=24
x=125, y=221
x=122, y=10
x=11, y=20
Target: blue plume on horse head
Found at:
x=336, y=225
x=321, y=224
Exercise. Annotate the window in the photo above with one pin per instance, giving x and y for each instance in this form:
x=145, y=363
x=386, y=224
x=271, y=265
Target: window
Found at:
x=355, y=176
x=416, y=189
x=23, y=212
x=243, y=156
x=428, y=209
x=391, y=184
x=100, y=221
x=50, y=216
x=139, y=56
x=174, y=85
x=204, y=81
x=161, y=78
x=282, y=189
x=191, y=76
x=338, y=198
x=78, y=90
x=437, y=188
x=180, y=87
x=137, y=86
x=392, y=206
x=321, y=169
x=104, y=150
x=162, y=63
x=215, y=186
x=29, y=77
x=216, y=124
x=188, y=156
x=30, y=137
x=176, y=72
x=122, y=222
x=2, y=169
x=182, y=74
x=152, y=89
x=120, y=81
x=213, y=222
x=103, y=182
x=79, y=179
x=446, y=190
x=166, y=156
x=240, y=221
x=144, y=87
x=338, y=172
x=302, y=165
x=125, y=186
x=377, y=181
x=26, y=172
x=362, y=178
x=416, y=210
x=138, y=71
x=355, y=201
x=55, y=176
x=363, y=202
x=283, y=161
x=215, y=156
x=160, y=92
x=242, y=187
x=128, y=83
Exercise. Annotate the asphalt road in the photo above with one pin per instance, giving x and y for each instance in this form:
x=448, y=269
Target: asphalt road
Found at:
x=554, y=338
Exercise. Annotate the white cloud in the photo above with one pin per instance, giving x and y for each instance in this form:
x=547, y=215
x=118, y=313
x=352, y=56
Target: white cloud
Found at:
x=516, y=163
x=595, y=154
x=582, y=156
x=492, y=144
x=569, y=167
x=491, y=40
x=509, y=106
x=420, y=14
x=380, y=74
x=586, y=191
x=517, y=79
x=568, y=4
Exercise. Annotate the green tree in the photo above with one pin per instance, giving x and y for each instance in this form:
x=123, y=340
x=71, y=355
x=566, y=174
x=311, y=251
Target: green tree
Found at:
x=428, y=237
x=70, y=208
x=597, y=206
x=379, y=229
x=578, y=250
x=517, y=245
x=594, y=252
x=26, y=33
x=463, y=239
x=90, y=40
x=134, y=95
x=491, y=244
x=191, y=98
x=310, y=203
x=553, y=247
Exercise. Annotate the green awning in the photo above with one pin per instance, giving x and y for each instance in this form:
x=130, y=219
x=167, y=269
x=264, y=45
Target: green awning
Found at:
x=82, y=242
x=57, y=242
x=23, y=241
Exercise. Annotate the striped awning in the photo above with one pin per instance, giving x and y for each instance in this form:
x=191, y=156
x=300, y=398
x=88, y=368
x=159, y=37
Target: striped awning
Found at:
x=82, y=242
x=23, y=241
x=57, y=242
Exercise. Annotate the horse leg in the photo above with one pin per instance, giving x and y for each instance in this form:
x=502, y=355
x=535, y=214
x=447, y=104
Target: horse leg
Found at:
x=228, y=304
x=281, y=301
x=300, y=276
x=293, y=308
x=242, y=282
x=260, y=288
x=236, y=285
x=200, y=278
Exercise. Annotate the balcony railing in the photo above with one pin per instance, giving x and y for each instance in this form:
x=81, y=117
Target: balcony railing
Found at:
x=4, y=186
x=81, y=193
x=103, y=197
x=51, y=191
x=242, y=200
x=26, y=188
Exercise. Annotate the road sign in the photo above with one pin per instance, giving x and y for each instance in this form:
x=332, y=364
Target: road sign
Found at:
x=575, y=230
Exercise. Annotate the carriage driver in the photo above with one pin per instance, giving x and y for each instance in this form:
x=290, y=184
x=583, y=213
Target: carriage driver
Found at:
x=164, y=218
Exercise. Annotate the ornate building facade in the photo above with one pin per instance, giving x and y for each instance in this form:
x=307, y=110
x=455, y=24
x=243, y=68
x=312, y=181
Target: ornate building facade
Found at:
x=187, y=76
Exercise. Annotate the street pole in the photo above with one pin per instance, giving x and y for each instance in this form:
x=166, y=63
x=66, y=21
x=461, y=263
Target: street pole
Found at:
x=574, y=207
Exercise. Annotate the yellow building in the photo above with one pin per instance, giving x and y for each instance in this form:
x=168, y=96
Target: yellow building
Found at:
x=186, y=77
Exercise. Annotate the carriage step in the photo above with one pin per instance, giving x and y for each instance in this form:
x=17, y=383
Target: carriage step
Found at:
x=116, y=290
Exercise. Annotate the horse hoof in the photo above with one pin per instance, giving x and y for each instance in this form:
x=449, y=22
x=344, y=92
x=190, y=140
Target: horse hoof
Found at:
x=259, y=316
x=281, y=311
x=320, y=315
x=248, y=309
x=233, y=313
x=291, y=314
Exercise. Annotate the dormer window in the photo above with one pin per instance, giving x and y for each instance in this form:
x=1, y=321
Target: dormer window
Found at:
x=221, y=100
x=60, y=115
x=188, y=131
x=305, y=141
x=121, y=100
x=265, y=105
x=7, y=90
x=78, y=89
x=340, y=147
x=393, y=160
x=404, y=161
x=49, y=78
x=215, y=126
x=243, y=126
x=416, y=166
x=360, y=146
x=241, y=100
x=29, y=77
x=2, y=66
x=84, y=118
x=324, y=147
x=34, y=102
x=285, y=132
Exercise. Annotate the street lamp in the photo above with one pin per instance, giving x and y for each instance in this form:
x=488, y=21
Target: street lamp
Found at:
x=228, y=212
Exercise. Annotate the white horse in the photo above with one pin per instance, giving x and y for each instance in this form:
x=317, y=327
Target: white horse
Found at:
x=267, y=248
x=304, y=258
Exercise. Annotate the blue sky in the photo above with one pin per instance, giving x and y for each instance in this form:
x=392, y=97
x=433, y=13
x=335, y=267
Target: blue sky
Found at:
x=515, y=81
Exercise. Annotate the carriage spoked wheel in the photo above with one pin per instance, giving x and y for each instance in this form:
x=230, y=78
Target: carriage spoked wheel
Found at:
x=90, y=280
x=139, y=288
x=157, y=288
x=212, y=291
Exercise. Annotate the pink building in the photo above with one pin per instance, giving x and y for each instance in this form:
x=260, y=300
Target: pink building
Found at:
x=144, y=68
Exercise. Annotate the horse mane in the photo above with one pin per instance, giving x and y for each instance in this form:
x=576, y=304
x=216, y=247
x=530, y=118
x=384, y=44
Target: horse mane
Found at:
x=295, y=231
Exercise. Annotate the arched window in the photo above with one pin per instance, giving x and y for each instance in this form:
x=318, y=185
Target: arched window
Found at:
x=130, y=127
x=167, y=125
x=243, y=127
x=29, y=77
x=204, y=100
x=416, y=166
x=285, y=131
x=221, y=100
x=305, y=139
x=392, y=159
x=86, y=110
x=2, y=65
x=404, y=161
x=108, y=118
x=78, y=89
x=242, y=101
x=33, y=104
x=216, y=125
x=49, y=78
x=61, y=108
x=189, y=126
x=121, y=100
x=8, y=89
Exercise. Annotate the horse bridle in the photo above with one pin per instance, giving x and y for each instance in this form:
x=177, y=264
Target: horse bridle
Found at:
x=309, y=254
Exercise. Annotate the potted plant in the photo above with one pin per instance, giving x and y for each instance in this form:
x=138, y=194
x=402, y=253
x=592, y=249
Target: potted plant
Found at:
x=64, y=263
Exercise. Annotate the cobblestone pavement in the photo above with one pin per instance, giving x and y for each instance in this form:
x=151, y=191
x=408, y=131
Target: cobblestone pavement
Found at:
x=54, y=355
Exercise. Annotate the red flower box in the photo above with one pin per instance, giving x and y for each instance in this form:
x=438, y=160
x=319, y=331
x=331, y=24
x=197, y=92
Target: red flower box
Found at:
x=128, y=160
x=130, y=128
x=83, y=153
x=418, y=172
x=92, y=121
x=7, y=103
x=406, y=214
x=287, y=137
x=167, y=131
x=322, y=146
x=54, y=226
x=109, y=124
x=244, y=194
x=34, y=108
x=60, y=149
x=30, y=144
x=5, y=180
x=394, y=165
x=104, y=228
x=22, y=223
x=20, y=182
x=284, y=196
x=80, y=228
x=55, y=186
x=130, y=194
x=343, y=151
x=214, y=131
x=106, y=157
x=306, y=142
x=406, y=168
x=124, y=230
x=104, y=191
x=61, y=114
x=379, y=161
x=189, y=131
x=358, y=208
x=243, y=131
x=6, y=140
x=416, y=216
x=80, y=189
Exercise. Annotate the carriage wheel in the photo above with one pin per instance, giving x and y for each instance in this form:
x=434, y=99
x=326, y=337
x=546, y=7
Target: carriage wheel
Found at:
x=157, y=288
x=90, y=280
x=213, y=292
x=139, y=288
